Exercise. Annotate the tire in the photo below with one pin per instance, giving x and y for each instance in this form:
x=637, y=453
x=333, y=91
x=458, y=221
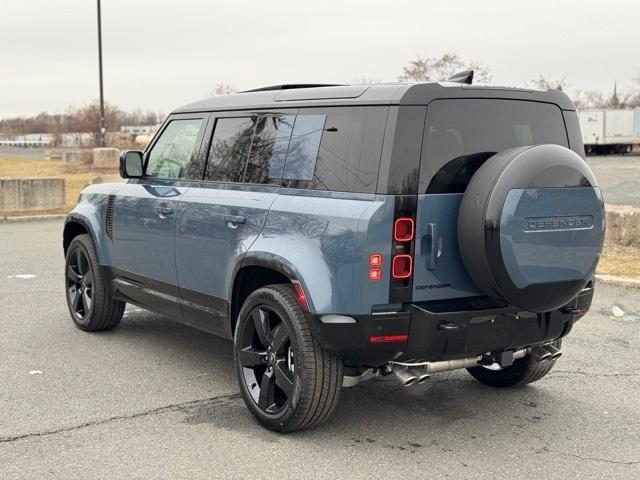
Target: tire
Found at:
x=531, y=227
x=523, y=371
x=286, y=380
x=90, y=304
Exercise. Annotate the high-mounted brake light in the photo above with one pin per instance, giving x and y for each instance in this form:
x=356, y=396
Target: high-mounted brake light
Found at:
x=401, y=266
x=403, y=229
x=302, y=298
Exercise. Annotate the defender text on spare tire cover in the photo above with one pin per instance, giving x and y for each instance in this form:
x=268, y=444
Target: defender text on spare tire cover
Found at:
x=531, y=226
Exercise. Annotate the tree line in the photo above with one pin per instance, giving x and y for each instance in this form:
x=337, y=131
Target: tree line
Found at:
x=81, y=119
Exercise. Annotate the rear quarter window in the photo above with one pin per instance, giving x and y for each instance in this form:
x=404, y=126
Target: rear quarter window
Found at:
x=460, y=135
x=350, y=147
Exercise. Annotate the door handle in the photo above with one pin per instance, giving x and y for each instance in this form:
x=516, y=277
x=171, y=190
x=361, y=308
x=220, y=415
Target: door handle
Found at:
x=432, y=235
x=164, y=212
x=233, y=221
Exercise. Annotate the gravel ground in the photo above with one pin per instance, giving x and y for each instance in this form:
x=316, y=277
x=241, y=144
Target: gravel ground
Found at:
x=154, y=399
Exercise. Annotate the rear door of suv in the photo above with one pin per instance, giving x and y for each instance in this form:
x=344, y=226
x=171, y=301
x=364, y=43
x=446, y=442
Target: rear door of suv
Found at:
x=219, y=217
x=460, y=134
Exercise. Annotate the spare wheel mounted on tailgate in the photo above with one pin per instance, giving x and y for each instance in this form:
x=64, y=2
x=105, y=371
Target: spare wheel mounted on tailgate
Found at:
x=531, y=226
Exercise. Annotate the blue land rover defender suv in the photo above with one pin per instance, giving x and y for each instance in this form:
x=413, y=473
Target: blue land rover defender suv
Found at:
x=338, y=233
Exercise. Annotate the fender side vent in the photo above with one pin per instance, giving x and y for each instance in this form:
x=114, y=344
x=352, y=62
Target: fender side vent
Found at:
x=108, y=221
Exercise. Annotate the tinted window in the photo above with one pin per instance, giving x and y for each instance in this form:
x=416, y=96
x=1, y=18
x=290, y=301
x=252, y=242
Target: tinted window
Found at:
x=172, y=153
x=269, y=148
x=229, y=149
x=461, y=134
x=350, y=148
x=304, y=146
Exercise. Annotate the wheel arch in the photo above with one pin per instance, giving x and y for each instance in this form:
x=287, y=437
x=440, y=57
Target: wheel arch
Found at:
x=74, y=226
x=253, y=272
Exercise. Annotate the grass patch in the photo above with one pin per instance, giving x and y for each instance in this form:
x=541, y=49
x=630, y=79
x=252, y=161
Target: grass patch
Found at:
x=620, y=261
x=76, y=177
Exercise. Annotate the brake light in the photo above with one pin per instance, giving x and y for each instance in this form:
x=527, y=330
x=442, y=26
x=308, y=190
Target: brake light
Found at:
x=403, y=229
x=402, y=266
x=302, y=298
x=375, y=260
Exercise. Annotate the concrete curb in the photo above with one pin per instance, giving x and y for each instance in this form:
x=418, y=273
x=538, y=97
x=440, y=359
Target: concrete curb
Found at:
x=29, y=218
x=619, y=281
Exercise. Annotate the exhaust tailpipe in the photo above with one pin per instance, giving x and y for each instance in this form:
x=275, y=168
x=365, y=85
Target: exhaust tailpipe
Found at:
x=555, y=352
x=541, y=354
x=420, y=373
x=406, y=377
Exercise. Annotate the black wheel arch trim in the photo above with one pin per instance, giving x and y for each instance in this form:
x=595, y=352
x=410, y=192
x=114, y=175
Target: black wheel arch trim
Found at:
x=79, y=219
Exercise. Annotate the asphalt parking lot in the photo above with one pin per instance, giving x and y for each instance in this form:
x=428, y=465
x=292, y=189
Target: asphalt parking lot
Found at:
x=619, y=178
x=154, y=399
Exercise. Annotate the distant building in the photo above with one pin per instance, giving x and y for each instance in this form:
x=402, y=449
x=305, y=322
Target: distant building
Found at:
x=140, y=129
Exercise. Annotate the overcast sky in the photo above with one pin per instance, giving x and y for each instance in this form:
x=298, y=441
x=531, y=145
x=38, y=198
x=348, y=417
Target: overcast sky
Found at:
x=161, y=54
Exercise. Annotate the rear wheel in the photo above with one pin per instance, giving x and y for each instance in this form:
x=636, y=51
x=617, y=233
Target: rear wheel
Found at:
x=523, y=371
x=287, y=381
x=91, y=306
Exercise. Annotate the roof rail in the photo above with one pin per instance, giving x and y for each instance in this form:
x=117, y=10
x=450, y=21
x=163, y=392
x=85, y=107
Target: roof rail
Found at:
x=290, y=86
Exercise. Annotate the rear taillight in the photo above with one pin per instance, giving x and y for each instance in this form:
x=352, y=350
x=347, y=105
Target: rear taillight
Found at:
x=375, y=262
x=403, y=229
x=403, y=237
x=402, y=266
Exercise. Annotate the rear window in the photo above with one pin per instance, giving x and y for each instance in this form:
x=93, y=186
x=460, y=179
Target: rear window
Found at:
x=461, y=134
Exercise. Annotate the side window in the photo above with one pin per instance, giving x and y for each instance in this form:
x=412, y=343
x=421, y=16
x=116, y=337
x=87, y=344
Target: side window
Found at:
x=172, y=154
x=269, y=148
x=250, y=149
x=303, y=147
x=350, y=149
x=229, y=149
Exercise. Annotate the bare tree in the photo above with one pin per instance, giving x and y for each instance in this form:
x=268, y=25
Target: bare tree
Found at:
x=222, y=88
x=439, y=69
x=547, y=83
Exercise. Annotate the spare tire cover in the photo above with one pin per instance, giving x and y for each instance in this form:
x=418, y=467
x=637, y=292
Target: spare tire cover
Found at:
x=531, y=226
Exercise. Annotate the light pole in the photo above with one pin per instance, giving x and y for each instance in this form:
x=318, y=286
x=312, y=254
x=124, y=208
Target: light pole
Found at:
x=103, y=129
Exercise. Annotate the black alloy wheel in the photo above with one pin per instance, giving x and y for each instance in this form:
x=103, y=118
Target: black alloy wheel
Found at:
x=266, y=357
x=80, y=280
x=288, y=382
x=91, y=305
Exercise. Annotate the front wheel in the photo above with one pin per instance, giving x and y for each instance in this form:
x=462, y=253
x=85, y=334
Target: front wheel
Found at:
x=90, y=304
x=287, y=381
x=523, y=371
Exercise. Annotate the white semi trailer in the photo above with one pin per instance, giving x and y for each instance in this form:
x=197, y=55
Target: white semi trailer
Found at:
x=607, y=131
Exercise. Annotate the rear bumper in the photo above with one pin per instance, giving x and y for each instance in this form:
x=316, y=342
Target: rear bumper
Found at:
x=445, y=330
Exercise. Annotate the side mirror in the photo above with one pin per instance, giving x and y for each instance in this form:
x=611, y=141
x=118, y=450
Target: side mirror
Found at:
x=131, y=165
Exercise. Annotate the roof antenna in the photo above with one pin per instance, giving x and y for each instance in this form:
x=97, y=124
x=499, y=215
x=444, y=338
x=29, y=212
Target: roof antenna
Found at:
x=466, y=77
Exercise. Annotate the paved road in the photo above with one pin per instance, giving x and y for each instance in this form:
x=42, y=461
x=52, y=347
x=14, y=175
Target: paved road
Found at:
x=619, y=178
x=153, y=399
